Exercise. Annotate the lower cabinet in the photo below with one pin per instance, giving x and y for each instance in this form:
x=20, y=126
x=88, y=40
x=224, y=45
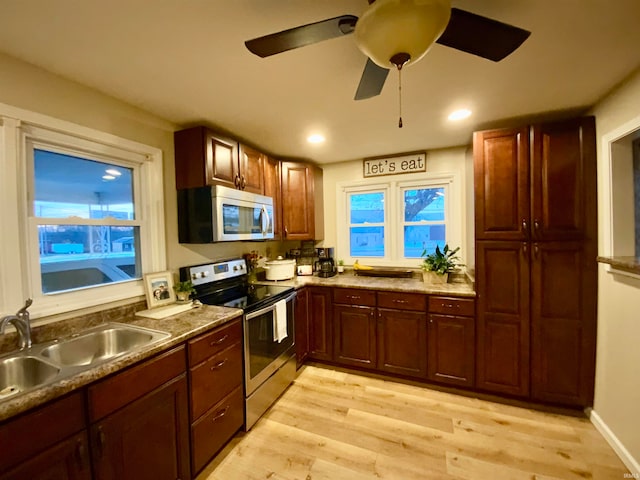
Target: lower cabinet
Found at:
x=320, y=324
x=47, y=443
x=452, y=341
x=354, y=335
x=402, y=342
x=301, y=328
x=216, y=395
x=140, y=421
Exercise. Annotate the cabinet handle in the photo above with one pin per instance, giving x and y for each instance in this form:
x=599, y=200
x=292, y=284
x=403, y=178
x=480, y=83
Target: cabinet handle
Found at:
x=449, y=305
x=353, y=297
x=236, y=181
x=219, y=364
x=101, y=441
x=536, y=249
x=220, y=414
x=243, y=183
x=286, y=232
x=219, y=341
x=80, y=454
x=524, y=225
x=401, y=301
x=536, y=226
x=525, y=248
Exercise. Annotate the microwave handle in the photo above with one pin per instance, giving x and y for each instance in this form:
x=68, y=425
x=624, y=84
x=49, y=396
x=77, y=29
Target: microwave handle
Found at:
x=265, y=220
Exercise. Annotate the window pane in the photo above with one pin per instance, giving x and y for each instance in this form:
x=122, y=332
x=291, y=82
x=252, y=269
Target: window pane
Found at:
x=417, y=238
x=68, y=186
x=366, y=208
x=366, y=241
x=77, y=256
x=424, y=204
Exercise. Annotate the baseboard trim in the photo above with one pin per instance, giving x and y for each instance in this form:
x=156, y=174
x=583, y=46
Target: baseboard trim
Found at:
x=631, y=463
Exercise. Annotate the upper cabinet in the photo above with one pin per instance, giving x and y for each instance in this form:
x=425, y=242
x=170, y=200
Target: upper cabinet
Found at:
x=302, y=206
x=204, y=157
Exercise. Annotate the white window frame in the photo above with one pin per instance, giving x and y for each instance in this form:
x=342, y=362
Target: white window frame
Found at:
x=19, y=250
x=394, y=220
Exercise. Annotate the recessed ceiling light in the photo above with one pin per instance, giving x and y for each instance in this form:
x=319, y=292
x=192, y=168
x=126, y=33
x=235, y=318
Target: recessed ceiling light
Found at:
x=108, y=177
x=113, y=171
x=459, y=114
x=315, y=138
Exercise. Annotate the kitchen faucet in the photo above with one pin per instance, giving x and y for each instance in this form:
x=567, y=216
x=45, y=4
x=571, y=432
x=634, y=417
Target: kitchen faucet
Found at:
x=22, y=324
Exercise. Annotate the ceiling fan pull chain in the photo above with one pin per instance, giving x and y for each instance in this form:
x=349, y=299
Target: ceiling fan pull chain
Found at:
x=400, y=96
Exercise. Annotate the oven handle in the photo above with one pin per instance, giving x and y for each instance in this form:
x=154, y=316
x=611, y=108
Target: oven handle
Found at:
x=264, y=310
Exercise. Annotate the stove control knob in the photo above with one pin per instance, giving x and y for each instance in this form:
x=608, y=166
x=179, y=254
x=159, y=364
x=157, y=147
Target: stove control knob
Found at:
x=205, y=274
x=194, y=276
x=235, y=268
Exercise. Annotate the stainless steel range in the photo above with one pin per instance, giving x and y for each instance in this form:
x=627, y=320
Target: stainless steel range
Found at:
x=269, y=347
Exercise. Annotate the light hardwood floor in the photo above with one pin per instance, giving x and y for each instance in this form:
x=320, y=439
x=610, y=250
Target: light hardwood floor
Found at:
x=333, y=425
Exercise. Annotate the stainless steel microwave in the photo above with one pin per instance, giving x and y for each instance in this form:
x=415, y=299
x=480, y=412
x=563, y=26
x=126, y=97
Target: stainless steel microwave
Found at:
x=222, y=214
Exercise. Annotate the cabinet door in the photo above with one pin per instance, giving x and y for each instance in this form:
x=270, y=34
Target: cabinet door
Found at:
x=272, y=189
x=502, y=280
x=251, y=170
x=67, y=460
x=402, y=342
x=563, y=323
x=302, y=326
x=148, y=438
x=501, y=171
x=221, y=161
x=298, y=220
x=354, y=335
x=563, y=179
x=451, y=349
x=320, y=324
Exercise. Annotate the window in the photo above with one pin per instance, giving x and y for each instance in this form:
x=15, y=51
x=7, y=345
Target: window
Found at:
x=395, y=222
x=88, y=221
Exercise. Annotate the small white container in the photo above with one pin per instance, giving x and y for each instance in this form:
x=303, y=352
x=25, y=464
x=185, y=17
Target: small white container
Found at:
x=280, y=269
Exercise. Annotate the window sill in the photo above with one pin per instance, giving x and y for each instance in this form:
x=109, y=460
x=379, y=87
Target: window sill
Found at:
x=623, y=265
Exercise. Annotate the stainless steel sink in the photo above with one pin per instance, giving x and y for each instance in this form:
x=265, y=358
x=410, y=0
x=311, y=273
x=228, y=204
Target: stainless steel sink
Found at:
x=22, y=373
x=44, y=364
x=101, y=344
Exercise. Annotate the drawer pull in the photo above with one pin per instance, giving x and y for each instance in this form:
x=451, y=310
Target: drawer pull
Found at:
x=101, y=441
x=80, y=454
x=354, y=297
x=221, y=414
x=450, y=305
x=219, y=341
x=401, y=301
x=219, y=364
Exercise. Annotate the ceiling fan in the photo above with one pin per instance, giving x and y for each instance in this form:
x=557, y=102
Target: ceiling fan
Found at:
x=399, y=32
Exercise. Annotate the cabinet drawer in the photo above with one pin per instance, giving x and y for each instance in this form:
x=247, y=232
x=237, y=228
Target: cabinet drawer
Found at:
x=215, y=428
x=29, y=434
x=354, y=296
x=403, y=301
x=214, y=342
x=123, y=388
x=452, y=306
x=215, y=378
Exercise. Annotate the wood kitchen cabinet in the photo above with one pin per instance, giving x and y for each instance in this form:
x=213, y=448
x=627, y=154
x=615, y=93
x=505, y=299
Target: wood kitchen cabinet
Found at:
x=451, y=340
x=302, y=204
x=402, y=334
x=320, y=324
x=216, y=395
x=301, y=317
x=536, y=228
x=272, y=189
x=140, y=421
x=354, y=327
x=47, y=443
x=204, y=157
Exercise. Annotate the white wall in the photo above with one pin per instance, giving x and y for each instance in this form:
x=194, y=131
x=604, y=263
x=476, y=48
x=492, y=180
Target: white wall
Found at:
x=617, y=390
x=449, y=160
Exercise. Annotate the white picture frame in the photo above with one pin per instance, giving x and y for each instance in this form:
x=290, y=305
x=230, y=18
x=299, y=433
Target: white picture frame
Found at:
x=158, y=288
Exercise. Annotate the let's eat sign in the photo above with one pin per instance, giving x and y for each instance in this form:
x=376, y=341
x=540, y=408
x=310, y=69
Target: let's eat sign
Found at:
x=408, y=163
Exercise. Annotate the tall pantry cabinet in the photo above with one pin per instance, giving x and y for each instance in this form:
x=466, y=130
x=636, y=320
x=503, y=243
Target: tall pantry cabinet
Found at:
x=536, y=271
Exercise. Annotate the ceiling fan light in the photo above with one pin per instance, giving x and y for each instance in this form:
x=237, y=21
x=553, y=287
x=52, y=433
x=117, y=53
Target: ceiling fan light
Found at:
x=389, y=27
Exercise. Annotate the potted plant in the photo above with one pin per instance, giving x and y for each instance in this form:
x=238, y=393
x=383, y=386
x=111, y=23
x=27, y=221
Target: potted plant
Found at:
x=340, y=266
x=436, y=266
x=184, y=290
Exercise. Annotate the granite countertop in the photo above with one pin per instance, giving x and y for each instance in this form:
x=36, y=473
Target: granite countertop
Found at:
x=626, y=264
x=182, y=327
x=348, y=279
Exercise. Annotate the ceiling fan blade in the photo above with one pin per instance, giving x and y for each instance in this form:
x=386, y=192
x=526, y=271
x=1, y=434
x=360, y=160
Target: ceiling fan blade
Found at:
x=372, y=81
x=301, y=36
x=481, y=36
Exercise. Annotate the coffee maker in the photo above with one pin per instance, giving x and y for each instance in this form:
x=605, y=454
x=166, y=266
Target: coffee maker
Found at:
x=325, y=267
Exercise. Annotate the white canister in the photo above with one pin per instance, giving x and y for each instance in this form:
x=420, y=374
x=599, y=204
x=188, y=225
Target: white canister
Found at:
x=280, y=269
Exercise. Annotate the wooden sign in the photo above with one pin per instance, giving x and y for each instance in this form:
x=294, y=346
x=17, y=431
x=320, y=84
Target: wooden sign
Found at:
x=406, y=163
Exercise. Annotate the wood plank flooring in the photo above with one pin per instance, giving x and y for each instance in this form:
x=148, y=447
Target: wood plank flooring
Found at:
x=333, y=425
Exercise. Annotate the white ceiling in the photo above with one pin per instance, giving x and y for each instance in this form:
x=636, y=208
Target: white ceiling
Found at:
x=185, y=61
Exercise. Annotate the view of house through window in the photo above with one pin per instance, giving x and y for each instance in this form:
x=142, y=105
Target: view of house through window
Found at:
x=424, y=220
x=86, y=221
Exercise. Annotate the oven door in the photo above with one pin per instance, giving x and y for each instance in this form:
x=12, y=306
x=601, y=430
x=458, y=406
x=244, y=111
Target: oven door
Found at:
x=263, y=353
